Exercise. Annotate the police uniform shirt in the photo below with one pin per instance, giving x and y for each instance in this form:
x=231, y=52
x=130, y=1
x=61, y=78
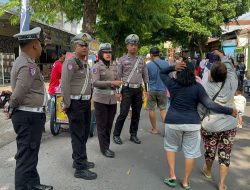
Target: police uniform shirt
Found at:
x=126, y=65
x=73, y=79
x=27, y=83
x=102, y=77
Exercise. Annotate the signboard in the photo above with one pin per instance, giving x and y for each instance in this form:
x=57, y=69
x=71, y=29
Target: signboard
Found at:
x=61, y=116
x=94, y=46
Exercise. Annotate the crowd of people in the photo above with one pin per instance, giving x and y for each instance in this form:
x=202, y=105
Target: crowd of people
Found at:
x=196, y=102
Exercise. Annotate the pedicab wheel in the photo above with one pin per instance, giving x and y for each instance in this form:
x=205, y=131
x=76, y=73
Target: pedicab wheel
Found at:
x=54, y=128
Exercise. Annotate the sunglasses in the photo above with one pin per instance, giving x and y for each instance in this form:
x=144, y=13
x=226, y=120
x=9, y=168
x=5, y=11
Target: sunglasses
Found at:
x=84, y=45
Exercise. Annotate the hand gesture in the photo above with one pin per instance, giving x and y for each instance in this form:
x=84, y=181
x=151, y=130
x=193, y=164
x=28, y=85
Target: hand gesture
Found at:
x=146, y=94
x=118, y=97
x=235, y=112
x=218, y=53
x=116, y=83
x=180, y=66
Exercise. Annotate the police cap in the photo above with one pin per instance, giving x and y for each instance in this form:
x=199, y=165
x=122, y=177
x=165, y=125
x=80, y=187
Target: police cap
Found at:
x=33, y=34
x=82, y=38
x=132, y=39
x=105, y=47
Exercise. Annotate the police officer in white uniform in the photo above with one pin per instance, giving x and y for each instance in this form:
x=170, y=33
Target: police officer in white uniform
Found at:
x=76, y=93
x=27, y=110
x=132, y=71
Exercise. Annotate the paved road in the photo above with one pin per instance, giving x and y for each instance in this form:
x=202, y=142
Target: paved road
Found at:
x=135, y=167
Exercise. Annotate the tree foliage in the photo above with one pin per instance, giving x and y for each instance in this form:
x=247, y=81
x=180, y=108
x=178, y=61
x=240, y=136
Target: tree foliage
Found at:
x=185, y=22
x=199, y=19
x=139, y=17
x=42, y=10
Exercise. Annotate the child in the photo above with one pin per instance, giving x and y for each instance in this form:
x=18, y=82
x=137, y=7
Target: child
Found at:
x=4, y=99
x=240, y=103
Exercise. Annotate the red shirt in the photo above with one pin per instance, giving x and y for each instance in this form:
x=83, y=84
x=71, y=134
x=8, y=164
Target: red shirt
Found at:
x=55, y=77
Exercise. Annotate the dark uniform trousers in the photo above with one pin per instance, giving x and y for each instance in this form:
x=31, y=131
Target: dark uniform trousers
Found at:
x=28, y=127
x=130, y=97
x=79, y=114
x=105, y=114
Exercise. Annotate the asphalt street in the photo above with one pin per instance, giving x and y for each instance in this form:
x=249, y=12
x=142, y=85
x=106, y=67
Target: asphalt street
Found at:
x=135, y=167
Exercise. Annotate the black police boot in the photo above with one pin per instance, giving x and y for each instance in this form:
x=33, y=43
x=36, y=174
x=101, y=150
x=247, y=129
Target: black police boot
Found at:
x=108, y=153
x=90, y=165
x=135, y=140
x=41, y=187
x=87, y=165
x=117, y=140
x=85, y=174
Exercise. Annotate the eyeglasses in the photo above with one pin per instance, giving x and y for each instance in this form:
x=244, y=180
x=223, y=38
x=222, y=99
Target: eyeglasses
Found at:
x=84, y=45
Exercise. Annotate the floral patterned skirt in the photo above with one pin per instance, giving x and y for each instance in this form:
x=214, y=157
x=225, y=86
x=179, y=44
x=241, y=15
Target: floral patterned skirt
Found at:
x=221, y=141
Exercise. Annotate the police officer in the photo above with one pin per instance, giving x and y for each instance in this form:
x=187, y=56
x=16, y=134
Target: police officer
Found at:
x=132, y=70
x=105, y=82
x=27, y=110
x=76, y=93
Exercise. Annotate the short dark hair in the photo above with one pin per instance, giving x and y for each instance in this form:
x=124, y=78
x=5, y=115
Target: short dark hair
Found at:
x=186, y=77
x=62, y=52
x=154, y=51
x=239, y=90
x=218, y=72
x=24, y=43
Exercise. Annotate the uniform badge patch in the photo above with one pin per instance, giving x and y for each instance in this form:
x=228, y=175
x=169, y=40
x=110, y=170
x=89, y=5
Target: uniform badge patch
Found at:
x=69, y=66
x=94, y=70
x=32, y=71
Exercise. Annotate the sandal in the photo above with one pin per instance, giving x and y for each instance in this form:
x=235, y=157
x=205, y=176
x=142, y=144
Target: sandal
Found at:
x=225, y=188
x=187, y=187
x=208, y=177
x=170, y=182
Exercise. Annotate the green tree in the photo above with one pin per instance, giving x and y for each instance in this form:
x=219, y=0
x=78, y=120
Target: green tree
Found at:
x=186, y=22
x=116, y=18
x=126, y=17
x=39, y=10
x=196, y=20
